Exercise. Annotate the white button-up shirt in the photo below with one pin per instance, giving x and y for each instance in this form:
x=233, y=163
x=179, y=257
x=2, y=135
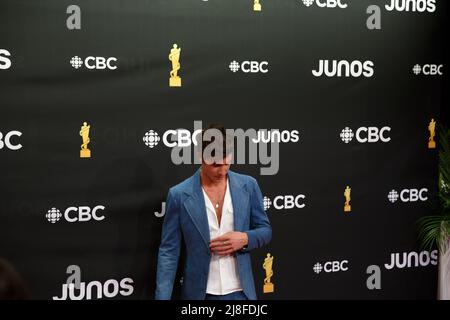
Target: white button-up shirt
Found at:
x=223, y=275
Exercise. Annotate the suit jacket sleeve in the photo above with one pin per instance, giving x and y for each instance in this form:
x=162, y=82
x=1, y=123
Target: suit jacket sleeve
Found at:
x=169, y=250
x=260, y=232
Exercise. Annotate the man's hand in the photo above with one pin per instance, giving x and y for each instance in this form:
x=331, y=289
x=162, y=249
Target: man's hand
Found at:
x=228, y=243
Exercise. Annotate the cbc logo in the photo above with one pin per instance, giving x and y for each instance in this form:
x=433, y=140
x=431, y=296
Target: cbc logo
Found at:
x=408, y=195
x=331, y=266
x=249, y=66
x=76, y=214
x=183, y=138
x=429, y=69
x=91, y=62
x=326, y=3
x=366, y=134
x=285, y=202
x=5, y=62
x=8, y=141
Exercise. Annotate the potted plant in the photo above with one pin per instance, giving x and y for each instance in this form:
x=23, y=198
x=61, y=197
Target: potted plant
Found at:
x=434, y=230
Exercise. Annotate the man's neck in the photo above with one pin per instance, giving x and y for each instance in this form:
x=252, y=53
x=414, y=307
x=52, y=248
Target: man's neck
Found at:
x=207, y=182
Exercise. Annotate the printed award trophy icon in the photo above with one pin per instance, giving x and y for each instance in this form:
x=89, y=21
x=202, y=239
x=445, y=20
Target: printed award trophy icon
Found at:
x=432, y=129
x=84, y=133
x=347, y=195
x=256, y=5
x=267, y=265
x=174, y=57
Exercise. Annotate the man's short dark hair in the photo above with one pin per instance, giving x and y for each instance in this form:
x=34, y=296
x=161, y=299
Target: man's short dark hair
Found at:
x=223, y=143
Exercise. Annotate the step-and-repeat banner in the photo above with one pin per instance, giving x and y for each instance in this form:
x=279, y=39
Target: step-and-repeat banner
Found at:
x=97, y=96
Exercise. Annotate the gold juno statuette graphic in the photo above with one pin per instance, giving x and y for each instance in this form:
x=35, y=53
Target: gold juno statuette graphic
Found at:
x=432, y=129
x=84, y=133
x=256, y=5
x=174, y=57
x=347, y=195
x=267, y=265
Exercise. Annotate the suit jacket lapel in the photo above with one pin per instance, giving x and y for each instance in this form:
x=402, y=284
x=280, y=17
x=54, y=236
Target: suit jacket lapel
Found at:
x=240, y=198
x=195, y=206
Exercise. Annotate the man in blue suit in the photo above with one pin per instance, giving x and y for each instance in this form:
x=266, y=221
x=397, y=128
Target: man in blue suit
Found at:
x=219, y=216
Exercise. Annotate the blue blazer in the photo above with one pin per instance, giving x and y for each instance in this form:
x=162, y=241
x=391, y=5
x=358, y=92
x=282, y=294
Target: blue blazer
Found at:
x=186, y=219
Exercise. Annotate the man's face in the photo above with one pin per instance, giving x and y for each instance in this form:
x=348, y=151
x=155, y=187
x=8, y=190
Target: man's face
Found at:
x=216, y=171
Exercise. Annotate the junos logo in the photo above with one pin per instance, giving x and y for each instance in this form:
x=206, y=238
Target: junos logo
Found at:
x=249, y=66
x=7, y=140
x=76, y=214
x=275, y=135
x=285, y=202
x=331, y=266
x=326, y=3
x=344, y=68
x=408, y=195
x=412, y=5
x=75, y=289
x=97, y=63
x=412, y=259
x=366, y=134
x=429, y=69
x=5, y=61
